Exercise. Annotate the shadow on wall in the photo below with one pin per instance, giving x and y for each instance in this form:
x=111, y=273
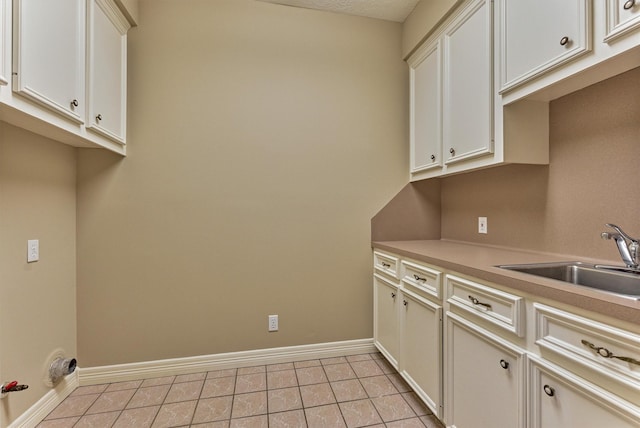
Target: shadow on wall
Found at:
x=414, y=213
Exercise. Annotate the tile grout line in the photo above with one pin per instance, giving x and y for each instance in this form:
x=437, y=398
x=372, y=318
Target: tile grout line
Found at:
x=379, y=364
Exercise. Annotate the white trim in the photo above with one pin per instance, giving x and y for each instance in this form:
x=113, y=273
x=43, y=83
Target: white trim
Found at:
x=204, y=363
x=36, y=413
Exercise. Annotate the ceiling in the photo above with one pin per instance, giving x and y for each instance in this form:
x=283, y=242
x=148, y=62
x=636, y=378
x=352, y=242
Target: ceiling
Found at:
x=390, y=10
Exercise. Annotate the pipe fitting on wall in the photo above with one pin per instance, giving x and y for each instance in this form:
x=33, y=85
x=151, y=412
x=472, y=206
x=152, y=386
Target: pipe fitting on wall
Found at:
x=60, y=367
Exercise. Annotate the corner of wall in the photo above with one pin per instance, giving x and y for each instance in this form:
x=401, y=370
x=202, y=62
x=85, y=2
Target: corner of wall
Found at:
x=413, y=214
x=424, y=18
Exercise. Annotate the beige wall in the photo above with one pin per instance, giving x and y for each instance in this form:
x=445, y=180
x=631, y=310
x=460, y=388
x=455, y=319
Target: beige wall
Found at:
x=38, y=306
x=426, y=15
x=562, y=207
x=262, y=140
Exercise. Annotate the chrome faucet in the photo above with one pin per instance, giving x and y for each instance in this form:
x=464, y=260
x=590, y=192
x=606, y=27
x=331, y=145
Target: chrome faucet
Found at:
x=627, y=246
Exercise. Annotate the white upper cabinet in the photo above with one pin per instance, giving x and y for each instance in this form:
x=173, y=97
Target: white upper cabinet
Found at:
x=5, y=51
x=107, y=70
x=425, y=69
x=66, y=61
x=468, y=86
x=538, y=36
x=623, y=17
x=456, y=113
x=49, y=54
x=551, y=48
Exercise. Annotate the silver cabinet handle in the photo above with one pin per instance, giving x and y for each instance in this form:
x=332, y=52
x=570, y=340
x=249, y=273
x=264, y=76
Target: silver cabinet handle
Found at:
x=417, y=278
x=605, y=353
x=504, y=364
x=549, y=390
x=629, y=4
x=98, y=117
x=75, y=103
x=564, y=41
x=478, y=302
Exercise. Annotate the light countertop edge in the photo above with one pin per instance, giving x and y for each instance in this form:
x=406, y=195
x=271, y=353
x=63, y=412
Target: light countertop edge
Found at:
x=480, y=261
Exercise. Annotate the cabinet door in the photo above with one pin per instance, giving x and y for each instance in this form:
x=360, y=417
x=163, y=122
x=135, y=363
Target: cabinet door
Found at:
x=5, y=42
x=49, y=47
x=623, y=17
x=540, y=35
x=385, y=322
x=421, y=344
x=468, y=87
x=107, y=67
x=484, y=378
x=561, y=399
x=426, y=108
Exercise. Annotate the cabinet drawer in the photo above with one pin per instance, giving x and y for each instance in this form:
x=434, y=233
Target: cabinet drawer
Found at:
x=386, y=264
x=610, y=351
x=502, y=309
x=422, y=279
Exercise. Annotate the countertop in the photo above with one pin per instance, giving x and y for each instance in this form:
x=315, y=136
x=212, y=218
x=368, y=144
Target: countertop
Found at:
x=480, y=261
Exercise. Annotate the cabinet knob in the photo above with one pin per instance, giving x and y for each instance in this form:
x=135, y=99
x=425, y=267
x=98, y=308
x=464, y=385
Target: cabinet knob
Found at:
x=433, y=158
x=549, y=391
x=452, y=151
x=98, y=117
x=75, y=103
x=504, y=364
x=564, y=41
x=393, y=295
x=404, y=302
x=629, y=4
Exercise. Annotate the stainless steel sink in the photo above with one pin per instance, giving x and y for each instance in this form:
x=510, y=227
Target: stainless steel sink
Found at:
x=610, y=279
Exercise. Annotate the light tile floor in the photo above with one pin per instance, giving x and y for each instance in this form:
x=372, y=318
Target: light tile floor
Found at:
x=352, y=391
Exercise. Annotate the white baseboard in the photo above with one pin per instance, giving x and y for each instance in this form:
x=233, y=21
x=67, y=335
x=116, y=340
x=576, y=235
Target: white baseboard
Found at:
x=36, y=413
x=205, y=363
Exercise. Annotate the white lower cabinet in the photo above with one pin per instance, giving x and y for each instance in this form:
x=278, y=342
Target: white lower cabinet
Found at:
x=385, y=327
x=501, y=358
x=561, y=399
x=408, y=326
x=421, y=348
x=484, y=378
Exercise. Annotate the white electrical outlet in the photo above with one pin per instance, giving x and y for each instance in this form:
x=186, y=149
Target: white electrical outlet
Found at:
x=273, y=323
x=33, y=250
x=482, y=225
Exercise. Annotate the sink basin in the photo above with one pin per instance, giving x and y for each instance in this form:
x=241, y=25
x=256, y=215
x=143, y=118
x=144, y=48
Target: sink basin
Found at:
x=607, y=279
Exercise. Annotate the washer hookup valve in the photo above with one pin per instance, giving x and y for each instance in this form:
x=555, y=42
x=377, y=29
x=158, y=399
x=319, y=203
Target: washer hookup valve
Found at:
x=13, y=387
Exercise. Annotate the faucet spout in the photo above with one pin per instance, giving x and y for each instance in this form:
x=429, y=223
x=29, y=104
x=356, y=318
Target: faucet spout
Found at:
x=629, y=251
